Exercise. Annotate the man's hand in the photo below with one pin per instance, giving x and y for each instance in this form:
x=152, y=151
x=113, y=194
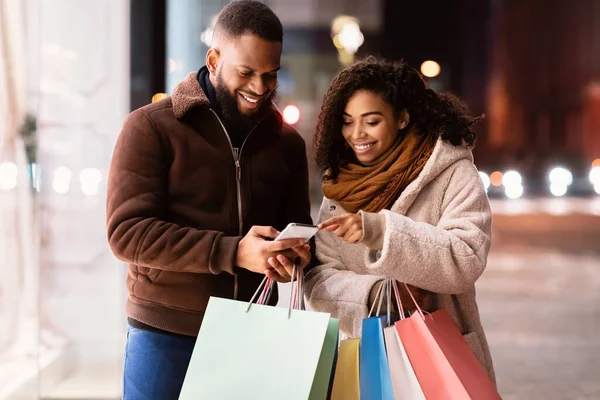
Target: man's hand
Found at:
x=283, y=264
x=348, y=226
x=254, y=251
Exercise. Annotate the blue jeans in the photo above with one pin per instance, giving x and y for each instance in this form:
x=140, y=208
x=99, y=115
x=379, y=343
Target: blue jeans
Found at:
x=155, y=365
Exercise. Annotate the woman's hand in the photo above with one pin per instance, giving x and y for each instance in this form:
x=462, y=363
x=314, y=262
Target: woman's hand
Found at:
x=348, y=226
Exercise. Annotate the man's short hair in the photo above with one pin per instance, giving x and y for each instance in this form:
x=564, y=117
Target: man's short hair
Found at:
x=241, y=17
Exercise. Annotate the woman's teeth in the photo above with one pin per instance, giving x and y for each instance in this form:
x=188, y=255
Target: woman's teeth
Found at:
x=363, y=146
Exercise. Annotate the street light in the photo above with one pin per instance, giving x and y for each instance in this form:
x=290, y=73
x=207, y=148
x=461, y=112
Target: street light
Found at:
x=595, y=178
x=8, y=176
x=430, y=69
x=496, y=178
x=291, y=114
x=62, y=180
x=347, y=37
x=513, y=184
x=512, y=178
x=159, y=97
x=90, y=179
x=560, y=179
x=206, y=36
x=513, y=192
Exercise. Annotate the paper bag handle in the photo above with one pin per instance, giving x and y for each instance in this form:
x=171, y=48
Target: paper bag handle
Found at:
x=265, y=289
x=414, y=301
x=267, y=284
x=387, y=286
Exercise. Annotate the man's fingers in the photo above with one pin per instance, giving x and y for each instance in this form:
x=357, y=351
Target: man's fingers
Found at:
x=304, y=253
x=280, y=269
x=274, y=276
x=287, y=264
x=279, y=245
x=265, y=231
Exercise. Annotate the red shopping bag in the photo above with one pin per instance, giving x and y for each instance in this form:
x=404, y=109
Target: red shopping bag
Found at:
x=441, y=358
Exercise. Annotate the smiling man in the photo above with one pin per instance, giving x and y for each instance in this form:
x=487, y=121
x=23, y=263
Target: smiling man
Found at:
x=199, y=184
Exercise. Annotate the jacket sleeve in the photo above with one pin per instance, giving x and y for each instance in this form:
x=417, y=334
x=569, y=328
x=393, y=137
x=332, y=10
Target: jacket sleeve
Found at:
x=331, y=288
x=138, y=232
x=447, y=258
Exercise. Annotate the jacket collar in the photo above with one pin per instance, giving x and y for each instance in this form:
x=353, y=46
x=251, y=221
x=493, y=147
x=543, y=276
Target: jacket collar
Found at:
x=187, y=95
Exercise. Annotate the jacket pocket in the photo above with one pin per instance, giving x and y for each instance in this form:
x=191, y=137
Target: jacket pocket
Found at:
x=474, y=343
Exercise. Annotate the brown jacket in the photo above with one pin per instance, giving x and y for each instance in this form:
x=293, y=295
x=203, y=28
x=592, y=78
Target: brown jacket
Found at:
x=180, y=199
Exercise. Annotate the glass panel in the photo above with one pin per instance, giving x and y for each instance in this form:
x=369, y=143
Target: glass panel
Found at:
x=19, y=233
x=62, y=292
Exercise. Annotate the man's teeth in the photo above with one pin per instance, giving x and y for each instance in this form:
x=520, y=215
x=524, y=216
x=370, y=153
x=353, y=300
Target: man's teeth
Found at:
x=363, y=147
x=249, y=99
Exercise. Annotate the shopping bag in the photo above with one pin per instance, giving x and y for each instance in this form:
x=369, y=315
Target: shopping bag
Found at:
x=442, y=360
x=374, y=370
x=346, y=381
x=261, y=352
x=323, y=383
x=375, y=379
x=404, y=381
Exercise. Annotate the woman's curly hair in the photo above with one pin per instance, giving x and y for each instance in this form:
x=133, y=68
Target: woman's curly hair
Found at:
x=400, y=86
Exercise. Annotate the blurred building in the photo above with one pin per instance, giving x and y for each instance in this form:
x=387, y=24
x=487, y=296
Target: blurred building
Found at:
x=544, y=89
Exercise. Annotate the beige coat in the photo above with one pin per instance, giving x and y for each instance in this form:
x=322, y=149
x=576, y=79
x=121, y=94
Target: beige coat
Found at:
x=436, y=237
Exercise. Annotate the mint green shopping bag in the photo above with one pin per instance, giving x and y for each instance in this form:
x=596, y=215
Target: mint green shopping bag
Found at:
x=261, y=352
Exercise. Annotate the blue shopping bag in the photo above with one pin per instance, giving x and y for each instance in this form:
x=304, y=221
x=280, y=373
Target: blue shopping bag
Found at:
x=375, y=377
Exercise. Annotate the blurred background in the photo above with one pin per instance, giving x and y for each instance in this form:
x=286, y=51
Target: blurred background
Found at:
x=71, y=70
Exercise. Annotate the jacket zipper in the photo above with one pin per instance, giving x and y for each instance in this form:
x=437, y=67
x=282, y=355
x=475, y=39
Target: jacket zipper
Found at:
x=237, y=153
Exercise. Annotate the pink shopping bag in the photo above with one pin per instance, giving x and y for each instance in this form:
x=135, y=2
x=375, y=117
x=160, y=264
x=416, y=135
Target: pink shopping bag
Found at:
x=441, y=358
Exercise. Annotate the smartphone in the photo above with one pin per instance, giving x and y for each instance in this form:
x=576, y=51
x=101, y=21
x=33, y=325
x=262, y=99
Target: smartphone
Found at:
x=298, y=231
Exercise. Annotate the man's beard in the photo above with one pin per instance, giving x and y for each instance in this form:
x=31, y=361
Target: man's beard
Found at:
x=238, y=123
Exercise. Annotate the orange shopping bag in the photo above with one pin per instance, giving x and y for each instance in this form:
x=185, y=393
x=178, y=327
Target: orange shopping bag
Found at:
x=441, y=358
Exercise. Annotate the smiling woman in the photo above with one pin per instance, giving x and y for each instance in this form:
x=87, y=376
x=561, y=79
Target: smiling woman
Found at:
x=371, y=126
x=402, y=200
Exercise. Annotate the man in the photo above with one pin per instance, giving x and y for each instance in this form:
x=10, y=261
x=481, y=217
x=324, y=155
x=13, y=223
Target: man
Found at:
x=200, y=183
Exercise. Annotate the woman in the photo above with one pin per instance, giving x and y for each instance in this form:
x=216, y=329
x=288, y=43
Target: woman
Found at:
x=403, y=199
